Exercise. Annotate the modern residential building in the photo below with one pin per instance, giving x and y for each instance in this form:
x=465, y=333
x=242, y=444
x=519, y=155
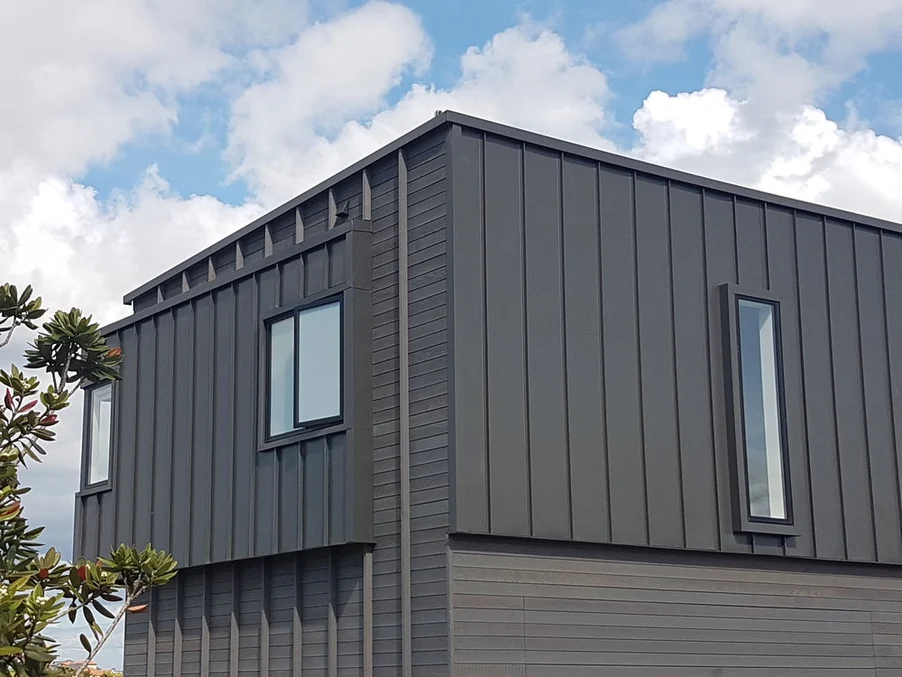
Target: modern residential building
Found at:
x=490, y=403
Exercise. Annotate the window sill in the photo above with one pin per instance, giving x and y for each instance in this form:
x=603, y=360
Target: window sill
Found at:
x=302, y=436
x=94, y=489
x=768, y=528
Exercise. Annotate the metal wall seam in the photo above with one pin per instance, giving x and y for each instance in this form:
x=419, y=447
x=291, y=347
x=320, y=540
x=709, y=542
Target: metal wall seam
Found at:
x=152, y=634
x=332, y=630
x=404, y=413
x=177, y=629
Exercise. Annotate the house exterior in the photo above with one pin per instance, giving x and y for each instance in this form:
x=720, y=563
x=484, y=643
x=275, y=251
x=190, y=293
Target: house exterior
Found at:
x=489, y=403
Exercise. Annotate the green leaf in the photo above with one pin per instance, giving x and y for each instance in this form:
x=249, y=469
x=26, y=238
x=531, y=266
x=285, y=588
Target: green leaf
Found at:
x=84, y=642
x=9, y=650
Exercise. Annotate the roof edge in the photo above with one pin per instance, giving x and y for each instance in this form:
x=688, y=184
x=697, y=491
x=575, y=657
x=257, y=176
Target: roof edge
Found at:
x=437, y=121
x=453, y=117
x=634, y=164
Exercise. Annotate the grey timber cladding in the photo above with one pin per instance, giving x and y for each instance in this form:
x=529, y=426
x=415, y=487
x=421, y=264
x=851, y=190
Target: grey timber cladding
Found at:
x=543, y=611
x=588, y=367
x=408, y=199
x=298, y=614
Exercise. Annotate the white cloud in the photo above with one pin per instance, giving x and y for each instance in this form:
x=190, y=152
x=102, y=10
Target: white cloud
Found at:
x=805, y=155
x=305, y=123
x=88, y=78
x=783, y=53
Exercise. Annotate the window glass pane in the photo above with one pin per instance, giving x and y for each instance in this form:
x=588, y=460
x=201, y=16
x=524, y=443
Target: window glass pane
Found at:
x=281, y=376
x=319, y=363
x=761, y=410
x=101, y=415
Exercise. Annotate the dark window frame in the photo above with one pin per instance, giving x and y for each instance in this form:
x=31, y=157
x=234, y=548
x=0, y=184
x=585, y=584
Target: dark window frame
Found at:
x=87, y=438
x=731, y=295
x=301, y=428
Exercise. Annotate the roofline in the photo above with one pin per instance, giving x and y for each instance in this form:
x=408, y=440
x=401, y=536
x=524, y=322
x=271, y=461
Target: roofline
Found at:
x=627, y=162
x=536, y=139
x=437, y=121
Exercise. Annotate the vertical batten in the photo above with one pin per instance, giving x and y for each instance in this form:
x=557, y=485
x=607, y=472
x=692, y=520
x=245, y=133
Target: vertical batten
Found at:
x=177, y=629
x=206, y=602
x=332, y=626
x=367, y=197
x=239, y=256
x=368, y=613
x=233, y=620
x=297, y=618
x=152, y=633
x=265, y=606
x=267, y=241
x=404, y=400
x=211, y=269
x=298, y=226
x=333, y=211
x=185, y=285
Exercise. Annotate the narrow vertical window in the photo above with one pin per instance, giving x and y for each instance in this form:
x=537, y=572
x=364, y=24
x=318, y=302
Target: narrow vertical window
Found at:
x=281, y=376
x=319, y=363
x=756, y=411
x=100, y=415
x=304, y=369
x=761, y=410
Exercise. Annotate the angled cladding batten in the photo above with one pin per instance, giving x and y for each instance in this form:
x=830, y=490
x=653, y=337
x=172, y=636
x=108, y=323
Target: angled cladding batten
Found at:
x=589, y=386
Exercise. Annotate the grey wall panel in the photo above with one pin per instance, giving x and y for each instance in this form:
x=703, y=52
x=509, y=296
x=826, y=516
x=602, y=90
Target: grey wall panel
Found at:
x=505, y=337
x=720, y=267
x=598, y=395
x=690, y=327
x=878, y=405
x=257, y=616
x=849, y=414
x=545, y=344
x=626, y=461
x=782, y=277
x=584, y=368
x=826, y=494
x=190, y=475
x=163, y=394
x=660, y=439
x=549, y=610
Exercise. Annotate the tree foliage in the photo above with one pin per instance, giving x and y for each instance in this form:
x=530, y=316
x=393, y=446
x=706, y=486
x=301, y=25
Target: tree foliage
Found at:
x=38, y=588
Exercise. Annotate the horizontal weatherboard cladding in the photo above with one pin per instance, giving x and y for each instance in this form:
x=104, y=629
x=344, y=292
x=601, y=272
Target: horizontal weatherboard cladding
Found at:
x=588, y=357
x=550, y=609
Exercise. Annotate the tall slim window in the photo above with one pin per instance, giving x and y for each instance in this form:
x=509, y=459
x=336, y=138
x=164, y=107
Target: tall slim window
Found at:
x=761, y=410
x=100, y=416
x=305, y=369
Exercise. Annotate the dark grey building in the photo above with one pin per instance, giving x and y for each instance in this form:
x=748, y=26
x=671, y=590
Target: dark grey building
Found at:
x=489, y=403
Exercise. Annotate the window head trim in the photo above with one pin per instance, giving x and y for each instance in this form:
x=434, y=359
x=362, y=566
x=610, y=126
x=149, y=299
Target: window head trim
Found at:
x=87, y=456
x=744, y=519
x=309, y=426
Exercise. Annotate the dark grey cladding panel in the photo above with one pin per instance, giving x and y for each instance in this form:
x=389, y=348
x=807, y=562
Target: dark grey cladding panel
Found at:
x=588, y=385
x=188, y=475
x=298, y=614
x=549, y=610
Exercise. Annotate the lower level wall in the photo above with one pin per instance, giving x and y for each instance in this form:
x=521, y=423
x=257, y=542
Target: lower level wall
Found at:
x=535, y=610
x=288, y=615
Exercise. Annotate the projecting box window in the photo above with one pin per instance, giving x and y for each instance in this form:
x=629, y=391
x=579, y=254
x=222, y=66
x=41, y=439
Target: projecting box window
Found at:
x=755, y=365
x=304, y=369
x=98, y=424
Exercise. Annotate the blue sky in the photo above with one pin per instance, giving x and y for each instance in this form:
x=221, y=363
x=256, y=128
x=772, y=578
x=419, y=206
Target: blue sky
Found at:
x=135, y=133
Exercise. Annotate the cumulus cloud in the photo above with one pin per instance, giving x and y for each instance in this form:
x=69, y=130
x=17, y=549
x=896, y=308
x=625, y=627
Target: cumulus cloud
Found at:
x=308, y=100
x=308, y=123
x=782, y=53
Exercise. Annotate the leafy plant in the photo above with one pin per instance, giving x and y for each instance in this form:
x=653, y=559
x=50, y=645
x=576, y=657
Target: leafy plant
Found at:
x=39, y=589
